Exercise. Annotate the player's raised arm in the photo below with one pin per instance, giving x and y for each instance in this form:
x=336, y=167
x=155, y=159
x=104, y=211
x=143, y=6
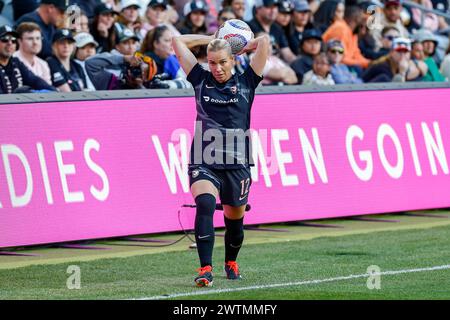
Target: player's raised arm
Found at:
x=261, y=44
x=181, y=46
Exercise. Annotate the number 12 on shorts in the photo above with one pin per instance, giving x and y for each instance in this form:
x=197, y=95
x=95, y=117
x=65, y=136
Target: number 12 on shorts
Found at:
x=245, y=185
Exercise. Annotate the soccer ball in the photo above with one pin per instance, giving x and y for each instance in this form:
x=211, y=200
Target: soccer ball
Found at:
x=236, y=32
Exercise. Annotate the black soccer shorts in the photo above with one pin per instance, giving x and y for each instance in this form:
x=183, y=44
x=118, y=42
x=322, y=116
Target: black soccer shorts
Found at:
x=233, y=184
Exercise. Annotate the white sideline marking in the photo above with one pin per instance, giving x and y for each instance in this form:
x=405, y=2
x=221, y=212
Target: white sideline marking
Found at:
x=289, y=284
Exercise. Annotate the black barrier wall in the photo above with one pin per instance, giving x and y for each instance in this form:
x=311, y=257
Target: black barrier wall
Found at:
x=155, y=93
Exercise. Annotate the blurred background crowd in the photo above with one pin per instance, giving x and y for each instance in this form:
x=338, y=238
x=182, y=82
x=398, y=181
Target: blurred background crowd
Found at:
x=88, y=45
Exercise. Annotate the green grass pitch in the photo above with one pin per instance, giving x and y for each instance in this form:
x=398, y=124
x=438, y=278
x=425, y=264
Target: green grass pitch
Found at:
x=300, y=263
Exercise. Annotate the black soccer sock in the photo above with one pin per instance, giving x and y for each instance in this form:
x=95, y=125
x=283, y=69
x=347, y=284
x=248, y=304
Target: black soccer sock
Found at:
x=204, y=227
x=234, y=236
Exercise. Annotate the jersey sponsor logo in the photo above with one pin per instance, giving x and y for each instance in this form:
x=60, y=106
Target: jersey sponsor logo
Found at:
x=57, y=76
x=203, y=237
x=209, y=87
x=195, y=173
x=218, y=101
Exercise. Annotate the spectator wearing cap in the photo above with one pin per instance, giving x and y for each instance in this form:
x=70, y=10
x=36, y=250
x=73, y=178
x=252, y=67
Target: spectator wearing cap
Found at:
x=156, y=15
x=340, y=72
x=310, y=46
x=107, y=69
x=67, y=75
x=102, y=27
x=276, y=71
x=194, y=21
x=129, y=15
x=327, y=13
x=301, y=21
x=30, y=44
x=266, y=12
x=13, y=73
x=429, y=44
x=48, y=16
x=127, y=43
x=320, y=74
x=284, y=17
x=346, y=30
x=238, y=7
x=390, y=17
x=85, y=47
x=395, y=67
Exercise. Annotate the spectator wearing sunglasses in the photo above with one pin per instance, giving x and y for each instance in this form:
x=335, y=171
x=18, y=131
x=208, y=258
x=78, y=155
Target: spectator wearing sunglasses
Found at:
x=388, y=34
x=13, y=73
x=395, y=67
x=30, y=44
x=340, y=72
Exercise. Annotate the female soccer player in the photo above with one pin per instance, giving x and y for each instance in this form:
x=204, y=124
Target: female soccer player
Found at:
x=221, y=168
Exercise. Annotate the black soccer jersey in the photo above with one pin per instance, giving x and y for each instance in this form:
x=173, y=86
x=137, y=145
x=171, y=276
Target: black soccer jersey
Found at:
x=222, y=139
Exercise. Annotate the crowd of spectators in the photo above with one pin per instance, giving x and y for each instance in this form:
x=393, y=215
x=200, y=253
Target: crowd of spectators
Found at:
x=88, y=45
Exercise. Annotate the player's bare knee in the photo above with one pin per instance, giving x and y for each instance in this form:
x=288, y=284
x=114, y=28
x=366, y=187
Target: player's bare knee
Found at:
x=203, y=186
x=234, y=213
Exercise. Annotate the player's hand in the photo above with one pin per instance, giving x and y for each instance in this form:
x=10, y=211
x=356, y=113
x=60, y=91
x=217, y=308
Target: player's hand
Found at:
x=251, y=45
